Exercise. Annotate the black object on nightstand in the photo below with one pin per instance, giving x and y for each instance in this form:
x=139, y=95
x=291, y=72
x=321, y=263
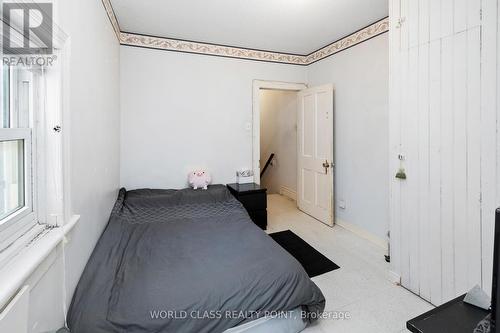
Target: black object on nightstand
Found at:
x=254, y=199
x=452, y=317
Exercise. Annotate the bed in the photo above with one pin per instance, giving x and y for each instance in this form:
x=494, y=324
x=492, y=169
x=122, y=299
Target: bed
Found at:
x=189, y=261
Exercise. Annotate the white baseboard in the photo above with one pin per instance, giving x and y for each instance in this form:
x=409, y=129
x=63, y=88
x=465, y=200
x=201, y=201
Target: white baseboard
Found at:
x=363, y=233
x=394, y=277
x=289, y=193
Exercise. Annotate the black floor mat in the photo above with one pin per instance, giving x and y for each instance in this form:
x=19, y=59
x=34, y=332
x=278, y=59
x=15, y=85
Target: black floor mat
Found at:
x=313, y=262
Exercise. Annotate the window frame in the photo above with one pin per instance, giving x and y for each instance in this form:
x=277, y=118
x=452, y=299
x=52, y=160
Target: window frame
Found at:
x=25, y=217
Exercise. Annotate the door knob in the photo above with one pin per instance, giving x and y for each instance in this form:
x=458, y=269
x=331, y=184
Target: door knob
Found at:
x=326, y=165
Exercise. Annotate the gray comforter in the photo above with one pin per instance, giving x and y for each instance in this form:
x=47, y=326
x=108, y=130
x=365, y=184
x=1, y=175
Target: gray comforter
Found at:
x=185, y=261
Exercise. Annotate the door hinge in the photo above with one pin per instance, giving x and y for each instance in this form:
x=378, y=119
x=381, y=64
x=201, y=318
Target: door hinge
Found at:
x=400, y=22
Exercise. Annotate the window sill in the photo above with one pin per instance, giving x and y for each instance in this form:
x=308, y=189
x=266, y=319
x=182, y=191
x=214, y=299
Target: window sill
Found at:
x=22, y=266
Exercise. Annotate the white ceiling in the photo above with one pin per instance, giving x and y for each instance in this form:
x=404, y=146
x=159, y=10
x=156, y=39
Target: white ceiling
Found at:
x=291, y=26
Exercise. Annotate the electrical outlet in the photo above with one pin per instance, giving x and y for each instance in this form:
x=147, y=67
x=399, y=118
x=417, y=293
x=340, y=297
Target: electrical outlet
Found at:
x=342, y=204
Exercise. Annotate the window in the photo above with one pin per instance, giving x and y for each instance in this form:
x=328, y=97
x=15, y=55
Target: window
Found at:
x=17, y=179
x=13, y=192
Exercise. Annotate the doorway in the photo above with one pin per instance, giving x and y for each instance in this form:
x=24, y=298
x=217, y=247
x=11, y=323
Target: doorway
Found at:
x=278, y=142
x=258, y=87
x=293, y=144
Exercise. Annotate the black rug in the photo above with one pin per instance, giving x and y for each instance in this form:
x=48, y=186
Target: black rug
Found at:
x=313, y=262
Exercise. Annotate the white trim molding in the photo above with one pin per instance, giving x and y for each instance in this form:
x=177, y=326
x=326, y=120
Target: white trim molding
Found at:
x=211, y=49
x=380, y=242
x=394, y=277
x=14, y=274
x=289, y=193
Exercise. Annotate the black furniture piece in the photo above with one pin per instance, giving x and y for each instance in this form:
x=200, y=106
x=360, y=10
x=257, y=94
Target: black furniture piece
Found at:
x=495, y=290
x=254, y=199
x=452, y=317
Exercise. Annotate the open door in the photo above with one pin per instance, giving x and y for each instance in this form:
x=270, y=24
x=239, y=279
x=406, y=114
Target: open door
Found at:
x=315, y=153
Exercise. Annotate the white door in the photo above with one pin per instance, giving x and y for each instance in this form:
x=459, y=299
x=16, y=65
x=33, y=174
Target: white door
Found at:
x=442, y=125
x=315, y=153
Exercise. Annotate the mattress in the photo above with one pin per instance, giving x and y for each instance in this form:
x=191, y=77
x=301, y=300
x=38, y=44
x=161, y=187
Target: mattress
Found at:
x=187, y=261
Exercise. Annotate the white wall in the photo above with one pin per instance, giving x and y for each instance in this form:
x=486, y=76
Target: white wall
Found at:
x=360, y=76
x=95, y=126
x=94, y=146
x=444, y=118
x=278, y=134
x=182, y=111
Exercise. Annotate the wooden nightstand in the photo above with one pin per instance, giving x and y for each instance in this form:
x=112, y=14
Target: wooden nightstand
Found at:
x=254, y=199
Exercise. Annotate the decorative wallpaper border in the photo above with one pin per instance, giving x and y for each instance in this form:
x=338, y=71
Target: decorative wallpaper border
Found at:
x=359, y=36
x=108, y=7
x=168, y=44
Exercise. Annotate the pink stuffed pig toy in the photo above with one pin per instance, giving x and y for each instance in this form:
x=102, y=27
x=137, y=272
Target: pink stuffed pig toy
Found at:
x=199, y=178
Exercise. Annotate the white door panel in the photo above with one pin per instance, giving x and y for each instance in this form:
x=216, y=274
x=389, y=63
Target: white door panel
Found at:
x=442, y=129
x=315, y=153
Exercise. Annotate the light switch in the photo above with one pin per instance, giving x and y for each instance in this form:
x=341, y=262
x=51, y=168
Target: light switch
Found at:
x=342, y=204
